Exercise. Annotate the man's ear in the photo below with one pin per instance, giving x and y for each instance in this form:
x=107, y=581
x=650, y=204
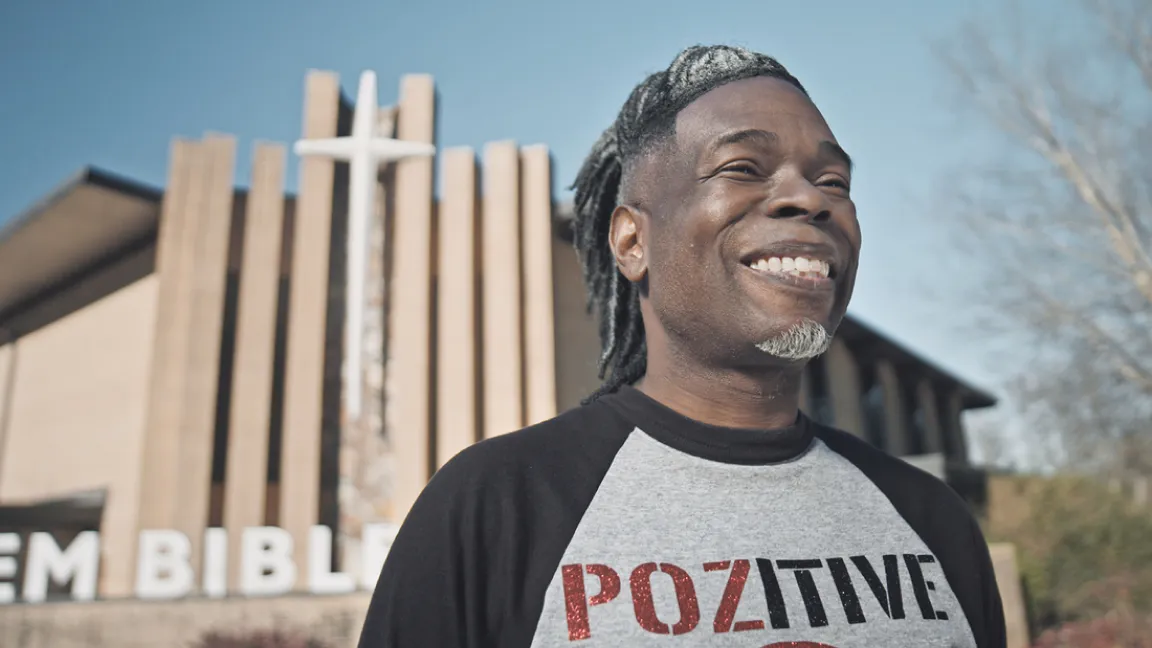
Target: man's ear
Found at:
x=628, y=238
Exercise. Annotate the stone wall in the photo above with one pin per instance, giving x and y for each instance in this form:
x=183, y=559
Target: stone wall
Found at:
x=335, y=621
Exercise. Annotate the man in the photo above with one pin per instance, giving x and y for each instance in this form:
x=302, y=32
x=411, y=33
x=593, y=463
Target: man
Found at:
x=688, y=502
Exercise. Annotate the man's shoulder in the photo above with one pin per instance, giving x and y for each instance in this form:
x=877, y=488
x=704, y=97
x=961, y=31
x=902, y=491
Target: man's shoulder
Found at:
x=586, y=432
x=912, y=489
x=943, y=521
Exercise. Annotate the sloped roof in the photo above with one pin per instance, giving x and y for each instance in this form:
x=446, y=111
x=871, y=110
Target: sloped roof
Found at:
x=91, y=217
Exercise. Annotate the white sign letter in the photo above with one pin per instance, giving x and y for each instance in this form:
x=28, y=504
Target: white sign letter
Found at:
x=377, y=540
x=162, y=567
x=9, y=544
x=321, y=578
x=78, y=563
x=266, y=549
x=215, y=562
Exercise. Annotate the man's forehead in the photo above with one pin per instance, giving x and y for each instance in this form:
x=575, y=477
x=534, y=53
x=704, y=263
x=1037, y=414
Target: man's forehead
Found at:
x=758, y=104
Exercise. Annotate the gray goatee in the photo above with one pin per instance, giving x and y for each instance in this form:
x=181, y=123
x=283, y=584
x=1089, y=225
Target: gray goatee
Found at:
x=803, y=341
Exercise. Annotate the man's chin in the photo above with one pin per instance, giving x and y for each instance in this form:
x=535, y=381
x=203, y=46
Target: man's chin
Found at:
x=802, y=341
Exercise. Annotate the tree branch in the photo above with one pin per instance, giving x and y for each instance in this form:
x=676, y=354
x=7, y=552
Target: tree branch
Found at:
x=1128, y=366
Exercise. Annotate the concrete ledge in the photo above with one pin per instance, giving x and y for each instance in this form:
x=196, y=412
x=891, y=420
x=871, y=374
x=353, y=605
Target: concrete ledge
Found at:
x=333, y=620
x=1011, y=593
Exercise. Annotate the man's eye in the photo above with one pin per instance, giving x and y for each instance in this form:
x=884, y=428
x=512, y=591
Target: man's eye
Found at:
x=741, y=169
x=835, y=182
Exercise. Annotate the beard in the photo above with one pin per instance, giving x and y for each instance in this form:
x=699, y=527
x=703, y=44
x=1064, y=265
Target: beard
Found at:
x=802, y=341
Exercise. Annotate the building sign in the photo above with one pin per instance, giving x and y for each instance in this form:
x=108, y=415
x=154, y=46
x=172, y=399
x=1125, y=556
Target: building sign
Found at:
x=164, y=570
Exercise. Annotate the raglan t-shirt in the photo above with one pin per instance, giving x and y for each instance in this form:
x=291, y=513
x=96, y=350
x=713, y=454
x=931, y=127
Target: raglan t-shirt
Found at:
x=623, y=523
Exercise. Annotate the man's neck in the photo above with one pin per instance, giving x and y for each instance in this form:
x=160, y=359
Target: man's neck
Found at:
x=766, y=399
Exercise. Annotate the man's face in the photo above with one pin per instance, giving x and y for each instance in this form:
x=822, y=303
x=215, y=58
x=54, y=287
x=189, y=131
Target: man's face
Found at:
x=748, y=230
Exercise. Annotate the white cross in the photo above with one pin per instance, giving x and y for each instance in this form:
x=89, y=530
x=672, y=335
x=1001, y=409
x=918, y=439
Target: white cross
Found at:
x=365, y=151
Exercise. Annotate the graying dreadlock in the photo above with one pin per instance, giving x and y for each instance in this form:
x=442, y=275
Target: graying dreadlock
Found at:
x=647, y=117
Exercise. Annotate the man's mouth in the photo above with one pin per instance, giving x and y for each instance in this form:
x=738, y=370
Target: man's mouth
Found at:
x=793, y=267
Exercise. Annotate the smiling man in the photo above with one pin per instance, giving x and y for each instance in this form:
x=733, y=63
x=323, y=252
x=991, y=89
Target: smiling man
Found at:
x=689, y=502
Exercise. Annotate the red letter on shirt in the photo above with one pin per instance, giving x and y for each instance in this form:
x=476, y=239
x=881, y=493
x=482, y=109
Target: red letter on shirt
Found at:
x=645, y=607
x=726, y=613
x=576, y=600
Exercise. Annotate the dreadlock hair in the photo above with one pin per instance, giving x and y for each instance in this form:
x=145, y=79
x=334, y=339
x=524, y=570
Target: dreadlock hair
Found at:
x=647, y=117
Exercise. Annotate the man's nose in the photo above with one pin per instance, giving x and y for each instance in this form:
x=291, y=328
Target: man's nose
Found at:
x=796, y=197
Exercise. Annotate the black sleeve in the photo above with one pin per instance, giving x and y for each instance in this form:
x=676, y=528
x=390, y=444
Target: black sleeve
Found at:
x=428, y=593
x=474, y=557
x=942, y=520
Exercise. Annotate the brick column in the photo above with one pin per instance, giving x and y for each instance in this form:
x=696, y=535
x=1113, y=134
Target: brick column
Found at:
x=895, y=427
x=247, y=465
x=843, y=377
x=500, y=241
x=307, y=312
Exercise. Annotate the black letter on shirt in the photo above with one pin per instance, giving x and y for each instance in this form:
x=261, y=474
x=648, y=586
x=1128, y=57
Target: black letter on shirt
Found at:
x=921, y=586
x=891, y=600
x=777, y=612
x=817, y=618
x=847, y=591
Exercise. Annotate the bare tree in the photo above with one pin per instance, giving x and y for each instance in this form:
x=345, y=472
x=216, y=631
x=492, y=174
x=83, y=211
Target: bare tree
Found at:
x=1060, y=220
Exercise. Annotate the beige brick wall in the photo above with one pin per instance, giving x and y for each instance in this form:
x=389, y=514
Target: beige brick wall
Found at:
x=75, y=420
x=577, y=341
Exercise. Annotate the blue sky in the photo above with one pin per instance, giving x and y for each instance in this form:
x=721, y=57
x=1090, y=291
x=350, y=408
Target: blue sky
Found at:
x=109, y=84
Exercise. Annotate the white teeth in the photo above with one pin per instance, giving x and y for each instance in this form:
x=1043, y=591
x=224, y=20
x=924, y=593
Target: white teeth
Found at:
x=797, y=266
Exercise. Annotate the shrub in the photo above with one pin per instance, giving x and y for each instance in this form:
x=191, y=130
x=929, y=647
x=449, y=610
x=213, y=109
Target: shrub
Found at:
x=1085, y=555
x=258, y=639
x=1113, y=631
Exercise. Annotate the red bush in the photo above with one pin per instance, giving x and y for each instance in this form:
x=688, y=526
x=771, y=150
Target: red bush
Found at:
x=1113, y=631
